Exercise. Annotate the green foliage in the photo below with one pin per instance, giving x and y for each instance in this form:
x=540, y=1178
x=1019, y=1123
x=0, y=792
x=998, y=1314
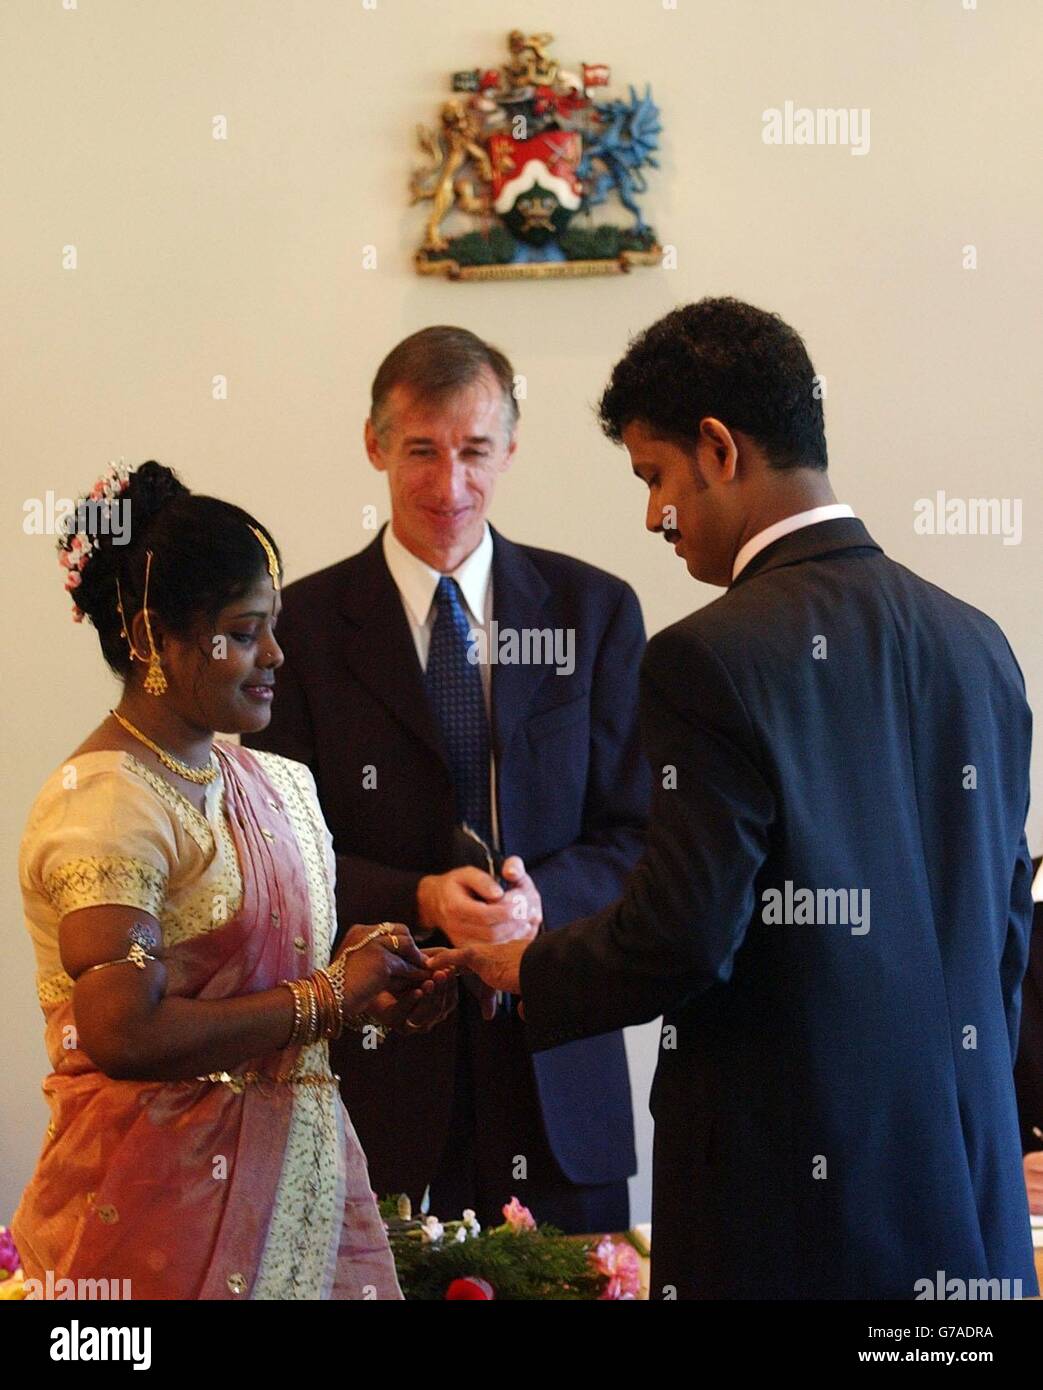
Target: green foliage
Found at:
x=603, y=243
x=478, y=248
x=523, y=1265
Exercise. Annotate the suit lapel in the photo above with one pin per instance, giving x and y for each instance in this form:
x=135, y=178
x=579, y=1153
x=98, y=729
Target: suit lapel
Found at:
x=381, y=653
x=519, y=594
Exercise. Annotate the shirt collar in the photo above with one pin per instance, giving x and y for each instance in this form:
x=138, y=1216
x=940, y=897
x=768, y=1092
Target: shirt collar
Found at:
x=782, y=528
x=417, y=581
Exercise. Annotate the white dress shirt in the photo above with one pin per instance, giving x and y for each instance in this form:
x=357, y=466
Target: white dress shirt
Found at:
x=416, y=583
x=781, y=528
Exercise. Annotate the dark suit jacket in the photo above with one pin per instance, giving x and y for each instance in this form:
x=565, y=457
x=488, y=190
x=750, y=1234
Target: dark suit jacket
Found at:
x=835, y=1113
x=573, y=791
x=1028, y=1073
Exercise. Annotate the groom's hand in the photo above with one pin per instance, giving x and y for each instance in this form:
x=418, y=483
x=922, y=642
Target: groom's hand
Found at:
x=487, y=969
x=470, y=907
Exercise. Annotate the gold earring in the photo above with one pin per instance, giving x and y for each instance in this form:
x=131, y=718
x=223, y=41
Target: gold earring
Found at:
x=155, y=680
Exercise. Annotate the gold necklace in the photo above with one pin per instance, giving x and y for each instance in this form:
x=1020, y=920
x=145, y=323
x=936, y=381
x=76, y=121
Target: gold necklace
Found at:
x=200, y=775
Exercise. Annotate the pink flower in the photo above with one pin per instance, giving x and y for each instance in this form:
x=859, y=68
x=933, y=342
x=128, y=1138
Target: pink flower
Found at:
x=72, y=579
x=10, y=1260
x=618, y=1262
x=519, y=1218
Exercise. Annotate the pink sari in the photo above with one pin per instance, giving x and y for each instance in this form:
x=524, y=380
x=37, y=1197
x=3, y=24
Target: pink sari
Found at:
x=172, y=1185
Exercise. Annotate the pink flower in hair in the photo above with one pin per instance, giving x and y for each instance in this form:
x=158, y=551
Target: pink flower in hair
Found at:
x=72, y=580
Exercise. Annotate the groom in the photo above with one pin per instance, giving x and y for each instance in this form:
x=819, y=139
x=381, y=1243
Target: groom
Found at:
x=833, y=910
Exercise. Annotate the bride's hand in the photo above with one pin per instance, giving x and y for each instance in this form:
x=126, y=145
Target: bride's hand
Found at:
x=389, y=964
x=418, y=1010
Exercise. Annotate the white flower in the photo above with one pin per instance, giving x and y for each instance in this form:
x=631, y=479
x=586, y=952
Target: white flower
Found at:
x=432, y=1229
x=461, y=1235
x=470, y=1223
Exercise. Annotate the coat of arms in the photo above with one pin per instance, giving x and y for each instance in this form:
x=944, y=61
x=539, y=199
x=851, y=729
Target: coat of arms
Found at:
x=526, y=152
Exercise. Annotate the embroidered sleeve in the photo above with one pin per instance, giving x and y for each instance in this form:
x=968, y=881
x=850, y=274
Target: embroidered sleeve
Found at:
x=104, y=838
x=110, y=878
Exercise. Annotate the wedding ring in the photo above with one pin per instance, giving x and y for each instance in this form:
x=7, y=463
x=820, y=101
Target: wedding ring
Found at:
x=388, y=930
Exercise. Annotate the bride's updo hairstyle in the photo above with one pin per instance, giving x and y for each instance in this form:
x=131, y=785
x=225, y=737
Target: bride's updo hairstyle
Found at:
x=204, y=555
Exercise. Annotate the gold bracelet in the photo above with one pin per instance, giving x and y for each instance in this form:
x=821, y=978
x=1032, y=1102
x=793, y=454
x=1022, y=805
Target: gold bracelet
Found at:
x=331, y=1022
x=385, y=929
x=298, y=1010
x=313, y=1012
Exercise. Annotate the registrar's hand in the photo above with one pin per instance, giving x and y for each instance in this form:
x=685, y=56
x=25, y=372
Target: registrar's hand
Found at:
x=468, y=905
x=523, y=888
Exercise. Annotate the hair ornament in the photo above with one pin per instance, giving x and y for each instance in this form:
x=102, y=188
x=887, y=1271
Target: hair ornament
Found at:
x=75, y=547
x=269, y=550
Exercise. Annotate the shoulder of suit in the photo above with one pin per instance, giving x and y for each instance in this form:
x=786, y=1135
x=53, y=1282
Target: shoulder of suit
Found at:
x=724, y=625
x=324, y=580
x=559, y=569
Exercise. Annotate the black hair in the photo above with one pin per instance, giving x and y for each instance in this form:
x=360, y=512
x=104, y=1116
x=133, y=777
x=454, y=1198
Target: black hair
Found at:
x=724, y=358
x=204, y=556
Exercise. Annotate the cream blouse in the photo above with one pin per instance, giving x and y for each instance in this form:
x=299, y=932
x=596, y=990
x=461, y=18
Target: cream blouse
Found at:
x=104, y=829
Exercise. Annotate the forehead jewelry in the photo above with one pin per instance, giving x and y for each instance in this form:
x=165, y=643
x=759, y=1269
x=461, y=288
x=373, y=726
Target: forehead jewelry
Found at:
x=269, y=550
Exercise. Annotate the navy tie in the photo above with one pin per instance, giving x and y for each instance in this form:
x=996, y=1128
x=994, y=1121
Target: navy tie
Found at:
x=454, y=687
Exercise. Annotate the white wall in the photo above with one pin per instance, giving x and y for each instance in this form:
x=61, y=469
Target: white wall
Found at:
x=243, y=257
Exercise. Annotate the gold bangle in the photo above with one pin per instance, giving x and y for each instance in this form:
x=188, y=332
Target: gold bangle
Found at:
x=331, y=1022
x=298, y=1012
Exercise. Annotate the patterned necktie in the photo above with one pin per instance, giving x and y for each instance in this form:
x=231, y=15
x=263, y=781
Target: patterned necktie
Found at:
x=454, y=687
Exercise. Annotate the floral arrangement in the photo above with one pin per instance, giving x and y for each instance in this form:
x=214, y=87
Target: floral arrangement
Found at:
x=75, y=547
x=517, y=1260
x=11, y=1278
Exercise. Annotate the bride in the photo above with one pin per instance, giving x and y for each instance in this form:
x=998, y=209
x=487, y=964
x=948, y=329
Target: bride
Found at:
x=179, y=895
